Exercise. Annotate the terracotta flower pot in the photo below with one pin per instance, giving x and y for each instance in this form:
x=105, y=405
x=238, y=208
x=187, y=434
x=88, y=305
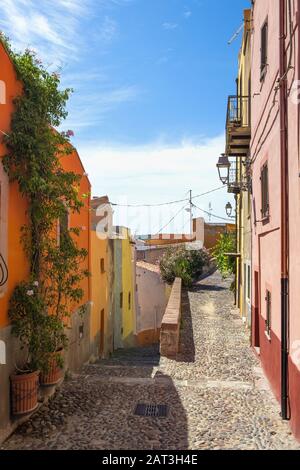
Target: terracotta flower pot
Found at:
x=54, y=374
x=24, y=392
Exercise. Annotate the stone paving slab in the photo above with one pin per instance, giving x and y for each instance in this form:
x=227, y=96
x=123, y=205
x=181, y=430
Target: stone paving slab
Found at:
x=216, y=393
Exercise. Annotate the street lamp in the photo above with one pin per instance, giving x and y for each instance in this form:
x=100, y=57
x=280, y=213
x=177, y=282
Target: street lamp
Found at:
x=223, y=166
x=228, y=208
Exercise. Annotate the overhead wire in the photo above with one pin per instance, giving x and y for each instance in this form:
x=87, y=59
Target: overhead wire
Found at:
x=171, y=220
x=211, y=214
x=170, y=202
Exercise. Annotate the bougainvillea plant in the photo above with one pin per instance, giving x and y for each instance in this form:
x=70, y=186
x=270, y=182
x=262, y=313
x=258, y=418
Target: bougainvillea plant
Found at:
x=183, y=263
x=39, y=308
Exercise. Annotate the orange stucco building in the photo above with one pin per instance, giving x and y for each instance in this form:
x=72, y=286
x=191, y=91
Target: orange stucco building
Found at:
x=12, y=206
x=14, y=266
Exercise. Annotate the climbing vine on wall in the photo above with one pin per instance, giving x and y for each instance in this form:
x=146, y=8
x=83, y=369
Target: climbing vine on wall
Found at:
x=33, y=160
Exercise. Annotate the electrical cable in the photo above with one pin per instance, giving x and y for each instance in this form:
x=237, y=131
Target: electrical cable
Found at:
x=211, y=214
x=171, y=220
x=168, y=203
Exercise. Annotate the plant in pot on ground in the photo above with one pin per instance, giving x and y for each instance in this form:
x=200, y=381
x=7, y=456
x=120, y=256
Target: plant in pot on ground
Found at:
x=39, y=309
x=38, y=333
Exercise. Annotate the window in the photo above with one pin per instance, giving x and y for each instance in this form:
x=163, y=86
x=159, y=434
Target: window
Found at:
x=102, y=265
x=129, y=301
x=121, y=300
x=268, y=313
x=264, y=177
x=264, y=51
x=2, y=92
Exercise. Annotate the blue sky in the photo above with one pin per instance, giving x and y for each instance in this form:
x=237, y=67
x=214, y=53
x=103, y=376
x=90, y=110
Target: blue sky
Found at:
x=150, y=80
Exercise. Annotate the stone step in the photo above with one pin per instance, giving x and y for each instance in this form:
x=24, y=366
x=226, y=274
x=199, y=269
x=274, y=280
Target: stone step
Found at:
x=148, y=356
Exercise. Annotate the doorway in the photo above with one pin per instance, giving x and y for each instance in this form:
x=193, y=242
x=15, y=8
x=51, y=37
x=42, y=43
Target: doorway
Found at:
x=102, y=333
x=256, y=319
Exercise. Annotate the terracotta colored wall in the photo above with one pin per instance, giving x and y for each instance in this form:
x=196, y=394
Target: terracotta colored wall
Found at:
x=212, y=233
x=172, y=239
x=82, y=219
x=15, y=205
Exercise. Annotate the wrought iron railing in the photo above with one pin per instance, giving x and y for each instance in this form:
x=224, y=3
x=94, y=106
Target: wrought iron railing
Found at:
x=3, y=271
x=238, y=176
x=238, y=111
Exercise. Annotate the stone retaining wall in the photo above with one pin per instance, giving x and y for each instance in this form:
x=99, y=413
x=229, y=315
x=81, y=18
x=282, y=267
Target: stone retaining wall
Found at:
x=170, y=327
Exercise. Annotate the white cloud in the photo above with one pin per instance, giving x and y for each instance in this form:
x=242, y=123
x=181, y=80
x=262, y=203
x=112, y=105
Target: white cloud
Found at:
x=90, y=108
x=169, y=26
x=187, y=14
x=48, y=26
x=108, y=30
x=53, y=28
x=153, y=174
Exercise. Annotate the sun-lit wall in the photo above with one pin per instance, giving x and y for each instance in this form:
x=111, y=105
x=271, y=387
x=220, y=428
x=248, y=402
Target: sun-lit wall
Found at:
x=12, y=206
x=100, y=310
x=128, y=292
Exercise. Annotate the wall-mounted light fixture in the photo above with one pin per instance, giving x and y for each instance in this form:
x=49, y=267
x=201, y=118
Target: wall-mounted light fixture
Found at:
x=223, y=166
x=228, y=208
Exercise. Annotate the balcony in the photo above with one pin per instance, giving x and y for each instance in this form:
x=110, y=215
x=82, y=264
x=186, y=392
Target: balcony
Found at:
x=238, y=177
x=3, y=271
x=238, y=131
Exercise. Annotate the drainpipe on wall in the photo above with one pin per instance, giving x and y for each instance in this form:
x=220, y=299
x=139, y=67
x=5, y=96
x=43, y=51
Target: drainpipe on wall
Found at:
x=284, y=210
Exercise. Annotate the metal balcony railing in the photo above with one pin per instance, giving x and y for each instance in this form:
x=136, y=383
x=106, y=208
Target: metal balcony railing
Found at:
x=238, y=178
x=238, y=112
x=3, y=271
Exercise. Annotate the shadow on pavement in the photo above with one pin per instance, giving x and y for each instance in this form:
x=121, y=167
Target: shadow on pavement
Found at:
x=208, y=288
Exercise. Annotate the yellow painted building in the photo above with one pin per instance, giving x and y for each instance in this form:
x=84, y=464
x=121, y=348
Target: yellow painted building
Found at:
x=238, y=136
x=101, y=311
x=113, y=321
x=129, y=287
x=243, y=198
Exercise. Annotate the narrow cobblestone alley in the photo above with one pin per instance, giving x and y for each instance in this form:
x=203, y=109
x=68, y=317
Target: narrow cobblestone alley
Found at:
x=216, y=394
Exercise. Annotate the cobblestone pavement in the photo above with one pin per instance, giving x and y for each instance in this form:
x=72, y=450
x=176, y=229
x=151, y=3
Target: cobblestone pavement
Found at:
x=216, y=394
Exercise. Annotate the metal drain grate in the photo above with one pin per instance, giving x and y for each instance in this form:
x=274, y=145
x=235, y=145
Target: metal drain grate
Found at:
x=156, y=411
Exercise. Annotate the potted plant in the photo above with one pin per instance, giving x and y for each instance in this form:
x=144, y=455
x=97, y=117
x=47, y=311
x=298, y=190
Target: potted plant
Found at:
x=52, y=369
x=53, y=374
x=27, y=325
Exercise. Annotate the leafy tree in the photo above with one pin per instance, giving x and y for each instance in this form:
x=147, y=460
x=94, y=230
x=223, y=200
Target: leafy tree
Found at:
x=225, y=245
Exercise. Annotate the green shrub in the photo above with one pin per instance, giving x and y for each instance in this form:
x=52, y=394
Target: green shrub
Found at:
x=226, y=244
x=183, y=263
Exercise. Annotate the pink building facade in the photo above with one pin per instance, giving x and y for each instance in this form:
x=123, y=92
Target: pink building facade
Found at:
x=275, y=172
